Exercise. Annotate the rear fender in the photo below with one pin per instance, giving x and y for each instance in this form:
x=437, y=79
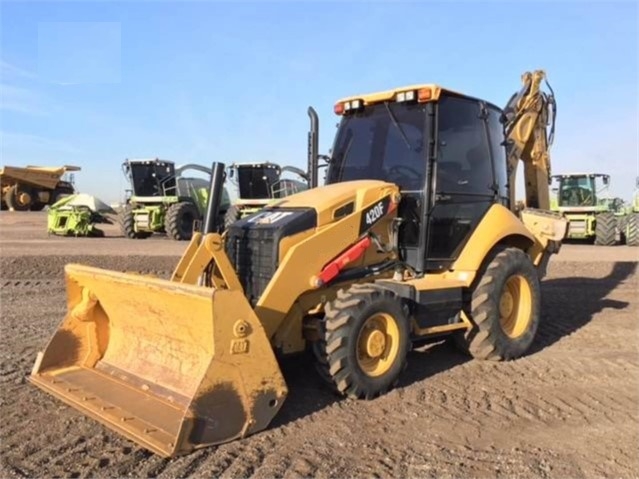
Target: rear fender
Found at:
x=498, y=226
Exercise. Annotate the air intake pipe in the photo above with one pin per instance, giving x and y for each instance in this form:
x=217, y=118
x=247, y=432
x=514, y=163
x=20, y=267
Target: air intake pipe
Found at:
x=214, y=202
x=313, y=147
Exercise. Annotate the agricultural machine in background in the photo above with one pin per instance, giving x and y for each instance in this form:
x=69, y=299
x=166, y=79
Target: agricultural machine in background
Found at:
x=34, y=187
x=78, y=215
x=630, y=224
x=258, y=184
x=585, y=201
x=163, y=200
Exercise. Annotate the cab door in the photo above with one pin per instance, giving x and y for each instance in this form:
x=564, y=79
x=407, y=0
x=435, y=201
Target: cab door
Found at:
x=465, y=185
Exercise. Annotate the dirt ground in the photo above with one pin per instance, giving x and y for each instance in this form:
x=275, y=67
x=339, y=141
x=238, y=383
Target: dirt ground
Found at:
x=570, y=408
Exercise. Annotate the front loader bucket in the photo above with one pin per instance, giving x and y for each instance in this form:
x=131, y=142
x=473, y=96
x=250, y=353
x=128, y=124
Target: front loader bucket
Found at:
x=173, y=367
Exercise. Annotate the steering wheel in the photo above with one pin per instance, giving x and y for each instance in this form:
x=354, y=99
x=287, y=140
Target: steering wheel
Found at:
x=586, y=196
x=410, y=170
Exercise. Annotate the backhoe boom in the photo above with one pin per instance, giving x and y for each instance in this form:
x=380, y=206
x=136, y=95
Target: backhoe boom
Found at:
x=525, y=119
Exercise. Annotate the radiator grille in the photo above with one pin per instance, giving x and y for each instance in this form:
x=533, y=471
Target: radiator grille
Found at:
x=253, y=253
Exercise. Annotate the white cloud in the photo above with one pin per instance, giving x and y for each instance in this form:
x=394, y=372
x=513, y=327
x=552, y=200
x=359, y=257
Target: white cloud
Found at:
x=9, y=69
x=20, y=100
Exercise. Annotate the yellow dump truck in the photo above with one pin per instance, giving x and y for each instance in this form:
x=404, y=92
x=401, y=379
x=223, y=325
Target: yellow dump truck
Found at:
x=34, y=187
x=413, y=237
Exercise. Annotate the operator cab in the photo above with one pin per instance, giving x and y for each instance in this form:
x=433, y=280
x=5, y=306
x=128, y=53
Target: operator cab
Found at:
x=254, y=181
x=443, y=150
x=581, y=190
x=150, y=177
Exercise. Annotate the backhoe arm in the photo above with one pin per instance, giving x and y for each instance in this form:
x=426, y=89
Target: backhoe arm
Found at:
x=526, y=118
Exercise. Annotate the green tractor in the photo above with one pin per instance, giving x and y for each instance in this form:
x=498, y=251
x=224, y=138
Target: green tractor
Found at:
x=630, y=230
x=163, y=200
x=258, y=184
x=585, y=201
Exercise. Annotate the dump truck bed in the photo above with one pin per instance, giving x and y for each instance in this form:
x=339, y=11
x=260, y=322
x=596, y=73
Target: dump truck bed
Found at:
x=45, y=177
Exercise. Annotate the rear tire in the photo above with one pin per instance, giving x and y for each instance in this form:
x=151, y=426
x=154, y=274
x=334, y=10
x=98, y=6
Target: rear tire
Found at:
x=179, y=221
x=632, y=229
x=605, y=229
x=127, y=225
x=366, y=340
x=232, y=215
x=504, y=308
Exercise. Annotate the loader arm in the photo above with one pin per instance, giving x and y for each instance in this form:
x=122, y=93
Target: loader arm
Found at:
x=526, y=119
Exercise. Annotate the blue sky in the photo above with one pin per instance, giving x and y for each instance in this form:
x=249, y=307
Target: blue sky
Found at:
x=92, y=83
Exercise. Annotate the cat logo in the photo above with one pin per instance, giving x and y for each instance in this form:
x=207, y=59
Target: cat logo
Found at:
x=270, y=217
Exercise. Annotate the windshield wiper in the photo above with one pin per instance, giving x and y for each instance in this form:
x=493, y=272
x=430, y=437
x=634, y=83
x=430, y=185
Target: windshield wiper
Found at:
x=396, y=123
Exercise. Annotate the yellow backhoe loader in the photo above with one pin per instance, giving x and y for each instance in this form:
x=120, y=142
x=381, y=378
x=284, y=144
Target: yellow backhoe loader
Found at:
x=413, y=237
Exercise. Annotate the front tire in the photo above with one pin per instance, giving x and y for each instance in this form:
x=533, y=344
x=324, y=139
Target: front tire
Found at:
x=232, y=215
x=605, y=229
x=180, y=219
x=127, y=225
x=504, y=308
x=632, y=230
x=366, y=338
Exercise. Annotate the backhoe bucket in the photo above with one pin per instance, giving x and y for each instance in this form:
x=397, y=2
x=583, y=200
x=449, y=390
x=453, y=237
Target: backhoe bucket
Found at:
x=173, y=367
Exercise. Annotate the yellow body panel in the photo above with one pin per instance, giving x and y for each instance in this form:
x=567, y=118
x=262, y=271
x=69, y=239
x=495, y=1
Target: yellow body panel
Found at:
x=498, y=223
x=498, y=226
x=301, y=261
x=326, y=200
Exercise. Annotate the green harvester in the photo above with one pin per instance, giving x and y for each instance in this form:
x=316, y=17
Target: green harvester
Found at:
x=162, y=199
x=256, y=185
x=630, y=225
x=584, y=199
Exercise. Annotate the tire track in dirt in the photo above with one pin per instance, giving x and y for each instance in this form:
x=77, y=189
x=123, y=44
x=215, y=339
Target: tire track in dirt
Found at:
x=37, y=284
x=451, y=417
x=52, y=267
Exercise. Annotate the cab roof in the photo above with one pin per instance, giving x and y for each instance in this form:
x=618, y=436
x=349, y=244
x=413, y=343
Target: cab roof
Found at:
x=433, y=91
x=566, y=175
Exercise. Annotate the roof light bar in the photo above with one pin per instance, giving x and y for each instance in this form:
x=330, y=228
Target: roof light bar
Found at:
x=348, y=106
x=424, y=94
x=405, y=96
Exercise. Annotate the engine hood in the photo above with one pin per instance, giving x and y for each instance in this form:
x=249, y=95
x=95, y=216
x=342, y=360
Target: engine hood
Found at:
x=335, y=201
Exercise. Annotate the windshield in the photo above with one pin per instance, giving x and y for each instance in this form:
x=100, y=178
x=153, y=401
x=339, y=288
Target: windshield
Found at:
x=577, y=191
x=149, y=178
x=255, y=182
x=383, y=142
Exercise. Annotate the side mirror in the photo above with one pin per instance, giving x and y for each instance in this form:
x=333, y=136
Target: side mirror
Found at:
x=606, y=180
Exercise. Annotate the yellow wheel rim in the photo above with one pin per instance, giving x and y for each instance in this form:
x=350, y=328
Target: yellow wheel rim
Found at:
x=23, y=198
x=515, y=306
x=378, y=344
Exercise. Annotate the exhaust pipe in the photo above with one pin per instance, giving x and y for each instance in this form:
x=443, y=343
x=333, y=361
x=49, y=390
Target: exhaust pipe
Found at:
x=313, y=147
x=216, y=189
